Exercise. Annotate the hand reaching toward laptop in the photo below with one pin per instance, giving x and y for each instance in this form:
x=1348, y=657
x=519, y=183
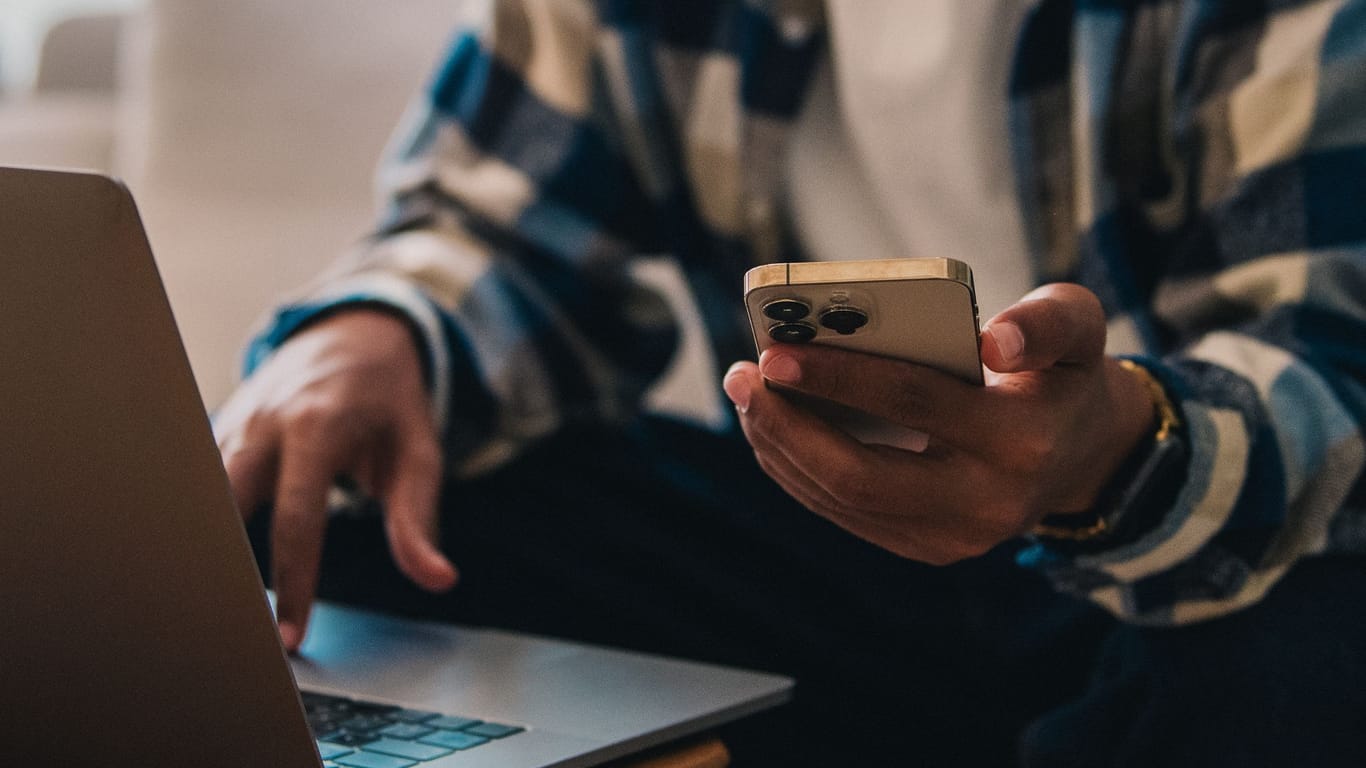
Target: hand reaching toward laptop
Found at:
x=1054, y=421
x=344, y=397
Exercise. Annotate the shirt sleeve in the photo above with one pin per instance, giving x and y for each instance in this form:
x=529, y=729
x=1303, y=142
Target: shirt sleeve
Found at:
x=514, y=206
x=1253, y=265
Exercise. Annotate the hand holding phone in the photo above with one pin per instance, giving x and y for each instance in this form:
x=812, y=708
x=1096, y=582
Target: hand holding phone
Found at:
x=1044, y=436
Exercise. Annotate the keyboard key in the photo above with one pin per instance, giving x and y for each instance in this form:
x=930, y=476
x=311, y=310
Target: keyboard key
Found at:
x=453, y=739
x=349, y=738
x=328, y=750
x=407, y=731
x=324, y=726
x=373, y=708
x=412, y=716
x=406, y=749
x=361, y=734
x=327, y=716
x=339, y=707
x=493, y=730
x=452, y=723
x=373, y=760
x=365, y=723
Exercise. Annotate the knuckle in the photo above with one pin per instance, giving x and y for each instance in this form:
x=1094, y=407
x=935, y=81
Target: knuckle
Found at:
x=912, y=403
x=238, y=437
x=833, y=380
x=1086, y=302
x=1013, y=523
x=297, y=511
x=291, y=565
x=1033, y=454
x=851, y=485
x=291, y=531
x=424, y=456
x=758, y=421
x=999, y=520
x=313, y=417
x=256, y=424
x=866, y=496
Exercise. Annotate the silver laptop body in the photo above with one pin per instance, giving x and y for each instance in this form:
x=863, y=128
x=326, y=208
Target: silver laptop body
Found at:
x=134, y=628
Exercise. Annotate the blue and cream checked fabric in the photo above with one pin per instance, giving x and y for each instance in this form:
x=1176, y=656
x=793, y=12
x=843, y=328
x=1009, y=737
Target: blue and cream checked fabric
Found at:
x=1201, y=166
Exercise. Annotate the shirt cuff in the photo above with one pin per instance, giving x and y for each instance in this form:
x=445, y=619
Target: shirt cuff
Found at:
x=367, y=289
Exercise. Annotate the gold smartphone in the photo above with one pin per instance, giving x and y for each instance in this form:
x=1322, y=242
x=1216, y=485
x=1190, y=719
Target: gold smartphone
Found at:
x=920, y=310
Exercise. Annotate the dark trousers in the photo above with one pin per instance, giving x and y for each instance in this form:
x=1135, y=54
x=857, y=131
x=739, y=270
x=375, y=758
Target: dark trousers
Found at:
x=668, y=539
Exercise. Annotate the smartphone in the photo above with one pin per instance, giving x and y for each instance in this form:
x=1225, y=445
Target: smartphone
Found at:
x=919, y=310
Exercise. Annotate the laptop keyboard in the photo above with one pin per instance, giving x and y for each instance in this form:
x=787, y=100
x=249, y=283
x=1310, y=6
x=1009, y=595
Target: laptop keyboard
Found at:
x=364, y=734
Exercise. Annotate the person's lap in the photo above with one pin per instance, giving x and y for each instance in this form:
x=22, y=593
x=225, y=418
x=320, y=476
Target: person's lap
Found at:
x=669, y=539
x=1280, y=684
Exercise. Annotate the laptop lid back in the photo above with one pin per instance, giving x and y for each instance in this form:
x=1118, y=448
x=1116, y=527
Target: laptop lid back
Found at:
x=133, y=624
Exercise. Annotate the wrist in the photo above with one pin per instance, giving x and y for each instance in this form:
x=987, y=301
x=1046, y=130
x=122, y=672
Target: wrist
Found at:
x=1144, y=474
x=367, y=319
x=382, y=329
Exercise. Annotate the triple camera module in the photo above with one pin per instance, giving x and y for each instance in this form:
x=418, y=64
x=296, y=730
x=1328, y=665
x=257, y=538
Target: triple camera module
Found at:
x=793, y=327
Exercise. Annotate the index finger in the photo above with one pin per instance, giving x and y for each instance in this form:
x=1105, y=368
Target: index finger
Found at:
x=911, y=395
x=842, y=468
x=297, y=529
x=251, y=469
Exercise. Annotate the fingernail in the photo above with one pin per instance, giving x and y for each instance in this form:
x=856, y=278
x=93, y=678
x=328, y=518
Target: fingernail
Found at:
x=290, y=636
x=737, y=389
x=1009, y=340
x=781, y=368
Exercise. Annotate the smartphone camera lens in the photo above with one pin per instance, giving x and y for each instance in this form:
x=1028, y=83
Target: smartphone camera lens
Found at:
x=787, y=310
x=792, y=333
x=844, y=320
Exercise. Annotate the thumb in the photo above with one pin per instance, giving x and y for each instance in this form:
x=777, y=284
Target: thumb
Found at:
x=1059, y=323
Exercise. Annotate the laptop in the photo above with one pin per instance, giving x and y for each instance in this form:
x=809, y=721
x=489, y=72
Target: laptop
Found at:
x=134, y=627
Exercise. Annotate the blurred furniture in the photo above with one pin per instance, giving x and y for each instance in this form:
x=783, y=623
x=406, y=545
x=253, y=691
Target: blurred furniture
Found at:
x=68, y=118
x=249, y=132
x=80, y=54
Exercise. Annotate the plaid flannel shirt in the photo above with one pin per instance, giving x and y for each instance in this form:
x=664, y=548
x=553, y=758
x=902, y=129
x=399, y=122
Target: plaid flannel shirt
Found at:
x=1200, y=165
